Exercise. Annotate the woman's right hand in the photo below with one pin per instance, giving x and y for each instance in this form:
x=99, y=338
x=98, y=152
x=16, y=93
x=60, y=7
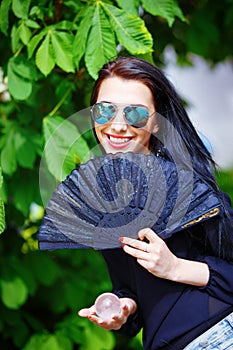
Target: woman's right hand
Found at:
x=128, y=307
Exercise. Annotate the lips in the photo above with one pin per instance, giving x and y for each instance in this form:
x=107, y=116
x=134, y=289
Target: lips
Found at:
x=117, y=141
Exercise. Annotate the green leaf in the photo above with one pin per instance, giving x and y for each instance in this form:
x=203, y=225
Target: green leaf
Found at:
x=130, y=6
x=48, y=342
x=16, y=266
x=45, y=58
x=167, y=9
x=44, y=268
x=65, y=25
x=64, y=146
x=98, y=339
x=72, y=327
x=24, y=68
x=19, y=86
x=38, y=12
x=24, y=33
x=34, y=42
x=14, y=292
x=101, y=44
x=21, y=8
x=178, y=13
x=19, y=145
x=4, y=15
x=23, y=199
x=1, y=178
x=24, y=146
x=86, y=334
x=3, y=192
x=15, y=38
x=62, y=46
x=130, y=30
x=32, y=24
x=21, y=335
x=74, y=5
x=25, y=191
x=2, y=216
x=80, y=39
x=8, y=156
x=2, y=208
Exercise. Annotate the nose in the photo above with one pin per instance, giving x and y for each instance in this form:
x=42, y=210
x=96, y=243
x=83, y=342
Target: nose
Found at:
x=119, y=123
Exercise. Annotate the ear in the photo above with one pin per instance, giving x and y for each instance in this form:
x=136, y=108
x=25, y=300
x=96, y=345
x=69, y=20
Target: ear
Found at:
x=156, y=128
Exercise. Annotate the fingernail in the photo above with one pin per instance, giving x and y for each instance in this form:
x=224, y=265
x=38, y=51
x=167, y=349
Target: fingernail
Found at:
x=122, y=246
x=121, y=239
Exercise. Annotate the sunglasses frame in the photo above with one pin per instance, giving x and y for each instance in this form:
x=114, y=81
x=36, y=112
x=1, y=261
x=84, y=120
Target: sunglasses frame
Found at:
x=116, y=106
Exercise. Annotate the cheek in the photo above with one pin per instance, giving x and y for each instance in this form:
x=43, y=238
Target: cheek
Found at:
x=144, y=136
x=98, y=130
x=98, y=134
x=147, y=130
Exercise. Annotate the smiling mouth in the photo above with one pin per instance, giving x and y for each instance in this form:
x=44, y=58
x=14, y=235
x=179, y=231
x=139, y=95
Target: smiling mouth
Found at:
x=119, y=139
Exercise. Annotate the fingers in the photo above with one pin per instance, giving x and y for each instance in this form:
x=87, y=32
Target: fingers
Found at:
x=147, y=233
x=106, y=324
x=140, y=249
x=137, y=252
x=113, y=323
x=135, y=243
x=154, y=256
x=150, y=235
x=136, y=247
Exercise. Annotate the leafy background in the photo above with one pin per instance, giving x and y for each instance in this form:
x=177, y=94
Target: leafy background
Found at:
x=51, y=52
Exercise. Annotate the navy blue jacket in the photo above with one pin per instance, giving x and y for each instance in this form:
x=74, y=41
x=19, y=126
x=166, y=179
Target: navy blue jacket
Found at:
x=173, y=314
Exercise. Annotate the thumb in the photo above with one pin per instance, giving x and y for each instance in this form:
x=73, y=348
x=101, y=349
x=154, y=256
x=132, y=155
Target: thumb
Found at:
x=84, y=312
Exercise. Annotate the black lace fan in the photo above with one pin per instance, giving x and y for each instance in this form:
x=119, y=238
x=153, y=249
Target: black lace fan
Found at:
x=117, y=195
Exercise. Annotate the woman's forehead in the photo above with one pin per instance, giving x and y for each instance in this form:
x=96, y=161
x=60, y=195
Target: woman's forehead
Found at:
x=118, y=90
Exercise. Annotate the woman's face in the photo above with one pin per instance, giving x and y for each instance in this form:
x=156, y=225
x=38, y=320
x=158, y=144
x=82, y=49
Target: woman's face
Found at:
x=117, y=135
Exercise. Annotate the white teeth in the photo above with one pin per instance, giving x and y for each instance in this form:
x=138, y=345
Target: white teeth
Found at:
x=119, y=139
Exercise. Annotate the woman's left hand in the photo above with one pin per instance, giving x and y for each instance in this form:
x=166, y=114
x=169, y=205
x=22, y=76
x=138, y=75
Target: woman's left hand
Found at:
x=154, y=256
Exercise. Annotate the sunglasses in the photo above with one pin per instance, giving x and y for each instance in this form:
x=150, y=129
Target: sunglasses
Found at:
x=135, y=115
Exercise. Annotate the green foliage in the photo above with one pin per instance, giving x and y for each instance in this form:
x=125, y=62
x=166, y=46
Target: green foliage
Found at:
x=13, y=293
x=51, y=52
x=206, y=30
x=165, y=8
x=225, y=181
x=64, y=146
x=2, y=208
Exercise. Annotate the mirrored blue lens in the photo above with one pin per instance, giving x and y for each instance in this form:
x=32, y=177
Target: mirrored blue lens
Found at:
x=135, y=116
x=102, y=112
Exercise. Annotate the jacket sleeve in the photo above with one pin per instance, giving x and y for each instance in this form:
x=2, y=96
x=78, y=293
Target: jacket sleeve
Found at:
x=122, y=278
x=220, y=284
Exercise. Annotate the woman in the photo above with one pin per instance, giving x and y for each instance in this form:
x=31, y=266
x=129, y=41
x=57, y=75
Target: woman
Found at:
x=175, y=289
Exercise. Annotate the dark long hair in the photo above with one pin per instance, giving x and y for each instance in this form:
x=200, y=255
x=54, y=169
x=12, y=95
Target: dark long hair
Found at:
x=176, y=132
